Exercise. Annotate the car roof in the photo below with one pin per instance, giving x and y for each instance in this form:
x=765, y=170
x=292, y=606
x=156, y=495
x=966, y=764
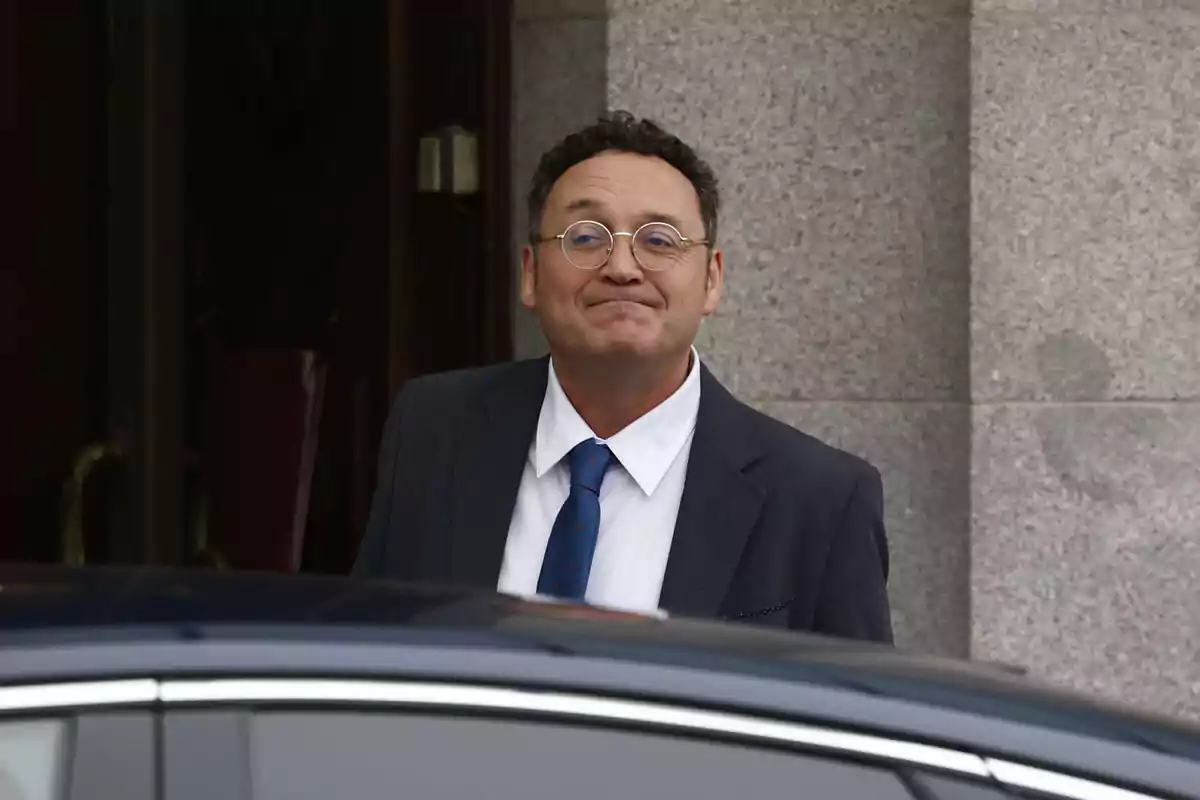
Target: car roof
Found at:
x=48, y=605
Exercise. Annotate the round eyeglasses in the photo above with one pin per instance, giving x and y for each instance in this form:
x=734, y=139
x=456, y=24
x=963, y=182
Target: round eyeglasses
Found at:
x=656, y=246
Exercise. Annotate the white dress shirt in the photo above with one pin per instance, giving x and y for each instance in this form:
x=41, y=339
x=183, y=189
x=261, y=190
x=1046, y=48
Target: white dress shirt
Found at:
x=639, y=498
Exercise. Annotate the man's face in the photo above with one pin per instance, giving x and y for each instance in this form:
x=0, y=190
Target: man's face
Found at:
x=621, y=309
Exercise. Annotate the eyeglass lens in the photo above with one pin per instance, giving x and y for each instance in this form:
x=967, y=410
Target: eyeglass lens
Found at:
x=656, y=246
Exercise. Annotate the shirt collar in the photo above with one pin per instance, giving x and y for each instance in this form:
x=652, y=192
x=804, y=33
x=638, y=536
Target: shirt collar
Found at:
x=646, y=448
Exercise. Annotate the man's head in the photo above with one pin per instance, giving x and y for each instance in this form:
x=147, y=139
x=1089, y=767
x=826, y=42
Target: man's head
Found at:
x=598, y=289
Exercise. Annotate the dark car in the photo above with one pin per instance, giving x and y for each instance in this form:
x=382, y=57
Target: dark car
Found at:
x=142, y=683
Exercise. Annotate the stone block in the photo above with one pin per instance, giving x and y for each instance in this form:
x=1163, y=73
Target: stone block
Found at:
x=524, y=10
x=1086, y=547
x=1085, y=253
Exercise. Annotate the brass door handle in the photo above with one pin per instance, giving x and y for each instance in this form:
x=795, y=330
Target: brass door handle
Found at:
x=74, y=552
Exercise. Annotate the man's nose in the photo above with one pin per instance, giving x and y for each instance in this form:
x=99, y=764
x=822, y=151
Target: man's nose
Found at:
x=622, y=266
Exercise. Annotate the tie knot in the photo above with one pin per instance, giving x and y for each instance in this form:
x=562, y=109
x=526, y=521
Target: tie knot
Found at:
x=588, y=461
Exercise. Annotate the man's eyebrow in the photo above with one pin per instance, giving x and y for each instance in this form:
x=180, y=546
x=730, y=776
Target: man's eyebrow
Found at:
x=583, y=203
x=655, y=216
x=589, y=204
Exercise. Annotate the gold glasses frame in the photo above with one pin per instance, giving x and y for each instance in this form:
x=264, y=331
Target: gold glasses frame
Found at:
x=686, y=242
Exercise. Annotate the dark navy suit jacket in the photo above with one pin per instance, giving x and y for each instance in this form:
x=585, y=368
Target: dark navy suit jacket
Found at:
x=774, y=527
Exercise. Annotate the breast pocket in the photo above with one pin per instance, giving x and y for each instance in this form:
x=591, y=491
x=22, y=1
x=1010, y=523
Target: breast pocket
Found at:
x=774, y=615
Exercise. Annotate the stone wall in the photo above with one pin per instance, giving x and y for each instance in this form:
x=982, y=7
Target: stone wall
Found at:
x=1085, y=343
x=962, y=241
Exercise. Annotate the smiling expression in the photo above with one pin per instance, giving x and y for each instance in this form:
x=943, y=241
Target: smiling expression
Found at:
x=621, y=308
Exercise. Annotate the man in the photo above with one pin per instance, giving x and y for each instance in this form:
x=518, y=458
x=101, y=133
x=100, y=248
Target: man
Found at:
x=619, y=471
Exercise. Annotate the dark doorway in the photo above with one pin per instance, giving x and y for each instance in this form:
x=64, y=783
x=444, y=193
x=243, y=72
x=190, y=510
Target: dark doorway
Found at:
x=244, y=272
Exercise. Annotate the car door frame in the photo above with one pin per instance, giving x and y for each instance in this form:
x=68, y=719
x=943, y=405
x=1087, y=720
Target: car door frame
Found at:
x=229, y=702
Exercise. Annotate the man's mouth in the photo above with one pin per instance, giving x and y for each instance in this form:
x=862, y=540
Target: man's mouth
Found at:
x=616, y=300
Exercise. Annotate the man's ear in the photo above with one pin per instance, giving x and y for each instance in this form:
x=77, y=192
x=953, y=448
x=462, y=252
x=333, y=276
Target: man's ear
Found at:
x=528, y=276
x=714, y=281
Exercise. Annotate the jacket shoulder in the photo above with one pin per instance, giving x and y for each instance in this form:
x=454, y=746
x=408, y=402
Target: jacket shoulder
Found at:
x=457, y=388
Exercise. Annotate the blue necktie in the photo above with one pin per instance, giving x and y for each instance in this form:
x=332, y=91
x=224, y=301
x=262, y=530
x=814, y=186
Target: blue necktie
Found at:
x=568, y=559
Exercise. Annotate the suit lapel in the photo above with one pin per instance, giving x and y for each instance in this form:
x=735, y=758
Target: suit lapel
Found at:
x=718, y=509
x=489, y=456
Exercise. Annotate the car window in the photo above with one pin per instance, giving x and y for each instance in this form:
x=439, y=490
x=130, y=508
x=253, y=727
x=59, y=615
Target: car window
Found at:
x=204, y=755
x=369, y=756
x=113, y=756
x=31, y=759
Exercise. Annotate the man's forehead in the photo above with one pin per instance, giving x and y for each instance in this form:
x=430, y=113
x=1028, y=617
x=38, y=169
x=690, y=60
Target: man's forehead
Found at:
x=586, y=206
x=624, y=182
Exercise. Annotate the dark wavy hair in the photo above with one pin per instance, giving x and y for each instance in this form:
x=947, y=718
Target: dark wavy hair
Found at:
x=622, y=132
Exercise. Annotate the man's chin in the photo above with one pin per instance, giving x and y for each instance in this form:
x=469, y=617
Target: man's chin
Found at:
x=618, y=342
x=625, y=347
